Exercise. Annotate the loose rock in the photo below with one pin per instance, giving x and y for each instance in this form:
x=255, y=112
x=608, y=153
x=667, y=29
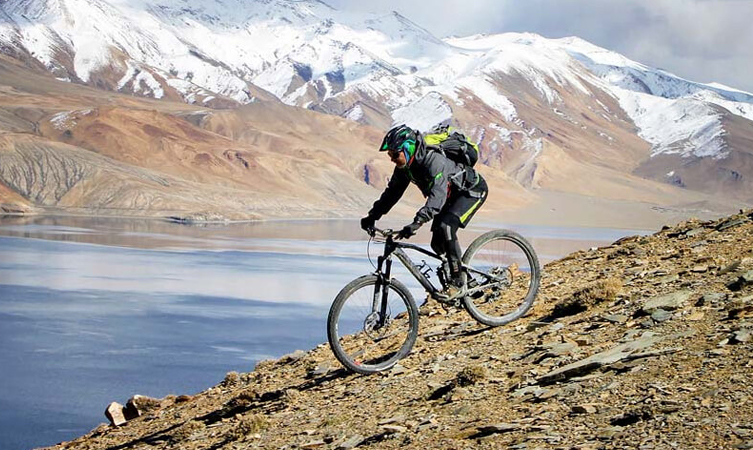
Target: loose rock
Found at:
x=114, y=413
x=621, y=387
x=742, y=281
x=600, y=359
x=668, y=302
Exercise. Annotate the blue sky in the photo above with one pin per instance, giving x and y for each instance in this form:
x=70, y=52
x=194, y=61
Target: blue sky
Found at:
x=701, y=40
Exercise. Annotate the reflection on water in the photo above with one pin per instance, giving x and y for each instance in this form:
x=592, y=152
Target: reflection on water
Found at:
x=161, y=234
x=319, y=237
x=97, y=310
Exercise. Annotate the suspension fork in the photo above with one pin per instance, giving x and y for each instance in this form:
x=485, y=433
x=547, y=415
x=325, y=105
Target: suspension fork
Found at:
x=381, y=289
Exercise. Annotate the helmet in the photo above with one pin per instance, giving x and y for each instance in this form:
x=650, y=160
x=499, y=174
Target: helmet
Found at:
x=401, y=138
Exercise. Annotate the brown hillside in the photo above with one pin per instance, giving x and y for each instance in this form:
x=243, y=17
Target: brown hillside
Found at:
x=727, y=177
x=641, y=344
x=268, y=160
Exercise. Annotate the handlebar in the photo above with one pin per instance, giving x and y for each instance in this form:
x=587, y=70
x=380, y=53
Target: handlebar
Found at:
x=388, y=233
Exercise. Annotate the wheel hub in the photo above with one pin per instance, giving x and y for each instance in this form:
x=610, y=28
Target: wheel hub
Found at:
x=372, y=328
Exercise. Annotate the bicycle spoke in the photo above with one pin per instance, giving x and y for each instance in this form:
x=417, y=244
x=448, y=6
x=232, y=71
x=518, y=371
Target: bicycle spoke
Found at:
x=506, y=269
x=365, y=339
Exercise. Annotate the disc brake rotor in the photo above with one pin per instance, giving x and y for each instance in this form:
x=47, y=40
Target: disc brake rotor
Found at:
x=372, y=328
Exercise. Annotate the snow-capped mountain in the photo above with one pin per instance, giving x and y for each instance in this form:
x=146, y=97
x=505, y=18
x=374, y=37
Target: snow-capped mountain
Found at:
x=525, y=98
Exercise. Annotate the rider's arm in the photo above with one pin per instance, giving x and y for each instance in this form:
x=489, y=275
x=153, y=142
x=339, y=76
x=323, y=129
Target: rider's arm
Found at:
x=392, y=193
x=435, y=200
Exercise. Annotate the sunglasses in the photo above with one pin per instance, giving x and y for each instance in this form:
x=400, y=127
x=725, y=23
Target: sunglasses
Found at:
x=406, y=146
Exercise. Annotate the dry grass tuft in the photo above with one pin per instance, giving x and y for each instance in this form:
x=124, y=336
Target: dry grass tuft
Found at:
x=183, y=398
x=255, y=423
x=231, y=379
x=145, y=404
x=595, y=293
x=471, y=375
x=244, y=399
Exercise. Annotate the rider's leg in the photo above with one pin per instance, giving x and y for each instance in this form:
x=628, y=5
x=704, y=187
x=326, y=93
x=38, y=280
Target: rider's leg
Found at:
x=451, y=225
x=458, y=214
x=437, y=237
x=444, y=241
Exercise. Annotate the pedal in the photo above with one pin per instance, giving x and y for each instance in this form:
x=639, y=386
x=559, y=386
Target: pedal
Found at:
x=455, y=301
x=449, y=303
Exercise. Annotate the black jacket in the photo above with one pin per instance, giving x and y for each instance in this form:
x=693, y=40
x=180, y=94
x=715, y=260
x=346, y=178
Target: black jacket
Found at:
x=433, y=173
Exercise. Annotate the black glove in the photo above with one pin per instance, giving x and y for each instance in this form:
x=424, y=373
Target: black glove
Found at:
x=367, y=223
x=408, y=230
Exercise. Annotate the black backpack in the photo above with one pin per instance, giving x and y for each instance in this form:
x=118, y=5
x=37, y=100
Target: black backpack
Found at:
x=452, y=144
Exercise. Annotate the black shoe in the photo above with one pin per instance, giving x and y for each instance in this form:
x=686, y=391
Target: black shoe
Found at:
x=456, y=289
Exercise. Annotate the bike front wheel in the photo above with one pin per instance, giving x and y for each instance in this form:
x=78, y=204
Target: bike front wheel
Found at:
x=506, y=263
x=369, y=332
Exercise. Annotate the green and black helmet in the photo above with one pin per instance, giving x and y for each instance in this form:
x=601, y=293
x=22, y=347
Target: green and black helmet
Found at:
x=401, y=138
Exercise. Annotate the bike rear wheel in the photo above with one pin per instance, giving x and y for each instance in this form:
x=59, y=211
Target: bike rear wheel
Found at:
x=367, y=341
x=509, y=266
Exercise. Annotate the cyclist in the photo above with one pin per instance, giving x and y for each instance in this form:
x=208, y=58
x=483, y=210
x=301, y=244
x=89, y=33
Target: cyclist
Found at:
x=453, y=193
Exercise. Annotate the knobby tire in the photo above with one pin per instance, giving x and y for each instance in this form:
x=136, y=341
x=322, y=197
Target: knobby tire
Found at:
x=403, y=311
x=500, y=248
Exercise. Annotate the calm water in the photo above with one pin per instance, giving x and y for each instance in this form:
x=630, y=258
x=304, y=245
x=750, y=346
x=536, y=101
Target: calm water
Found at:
x=97, y=310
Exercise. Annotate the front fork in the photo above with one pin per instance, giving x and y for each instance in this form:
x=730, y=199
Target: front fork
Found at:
x=381, y=291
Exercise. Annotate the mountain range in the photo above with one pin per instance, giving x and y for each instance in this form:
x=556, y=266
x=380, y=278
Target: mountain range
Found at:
x=282, y=102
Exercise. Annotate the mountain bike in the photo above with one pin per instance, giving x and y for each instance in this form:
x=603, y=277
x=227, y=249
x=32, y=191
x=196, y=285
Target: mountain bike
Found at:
x=373, y=321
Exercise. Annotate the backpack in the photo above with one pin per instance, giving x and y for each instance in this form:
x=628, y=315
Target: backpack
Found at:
x=452, y=144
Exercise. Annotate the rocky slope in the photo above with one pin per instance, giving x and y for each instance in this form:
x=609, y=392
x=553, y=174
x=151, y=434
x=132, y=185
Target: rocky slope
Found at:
x=645, y=343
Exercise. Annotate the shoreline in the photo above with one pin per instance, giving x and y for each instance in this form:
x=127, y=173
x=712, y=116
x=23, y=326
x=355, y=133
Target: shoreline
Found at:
x=554, y=209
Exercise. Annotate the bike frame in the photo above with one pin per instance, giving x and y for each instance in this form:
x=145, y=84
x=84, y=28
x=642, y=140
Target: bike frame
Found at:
x=384, y=272
x=391, y=247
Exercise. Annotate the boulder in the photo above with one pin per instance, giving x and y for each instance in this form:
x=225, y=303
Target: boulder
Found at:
x=660, y=315
x=114, y=414
x=583, y=409
x=499, y=428
x=713, y=298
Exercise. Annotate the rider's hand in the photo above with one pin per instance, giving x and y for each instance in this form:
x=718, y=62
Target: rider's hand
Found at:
x=408, y=230
x=367, y=223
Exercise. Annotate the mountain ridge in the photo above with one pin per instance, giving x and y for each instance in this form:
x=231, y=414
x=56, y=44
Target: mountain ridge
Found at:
x=548, y=113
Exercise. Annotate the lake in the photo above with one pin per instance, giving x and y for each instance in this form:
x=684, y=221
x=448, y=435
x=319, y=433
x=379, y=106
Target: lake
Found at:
x=95, y=310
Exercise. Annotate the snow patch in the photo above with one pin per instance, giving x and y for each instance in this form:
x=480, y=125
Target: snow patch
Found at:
x=533, y=145
x=503, y=133
x=423, y=114
x=686, y=127
x=485, y=90
x=66, y=120
x=276, y=79
x=355, y=113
